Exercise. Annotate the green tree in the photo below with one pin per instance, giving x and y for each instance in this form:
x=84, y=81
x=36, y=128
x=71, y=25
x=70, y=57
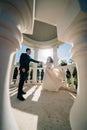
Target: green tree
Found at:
x=74, y=73
x=63, y=63
x=68, y=76
x=71, y=61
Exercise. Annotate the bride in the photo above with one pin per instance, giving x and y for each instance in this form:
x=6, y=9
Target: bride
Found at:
x=53, y=77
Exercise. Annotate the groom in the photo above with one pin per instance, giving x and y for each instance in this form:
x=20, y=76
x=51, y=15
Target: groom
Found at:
x=24, y=62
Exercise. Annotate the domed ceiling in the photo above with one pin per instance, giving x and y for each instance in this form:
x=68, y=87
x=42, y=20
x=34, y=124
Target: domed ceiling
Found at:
x=43, y=32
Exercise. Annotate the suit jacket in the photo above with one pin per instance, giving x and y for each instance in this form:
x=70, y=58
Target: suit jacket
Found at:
x=25, y=60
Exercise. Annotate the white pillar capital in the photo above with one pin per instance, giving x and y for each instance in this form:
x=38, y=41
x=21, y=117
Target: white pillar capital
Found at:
x=11, y=33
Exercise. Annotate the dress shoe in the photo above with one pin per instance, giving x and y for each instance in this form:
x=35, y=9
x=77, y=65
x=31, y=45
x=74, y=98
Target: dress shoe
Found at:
x=21, y=98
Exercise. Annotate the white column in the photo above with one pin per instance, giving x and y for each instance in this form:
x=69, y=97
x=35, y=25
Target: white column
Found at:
x=55, y=57
x=13, y=21
x=9, y=42
x=78, y=115
x=35, y=65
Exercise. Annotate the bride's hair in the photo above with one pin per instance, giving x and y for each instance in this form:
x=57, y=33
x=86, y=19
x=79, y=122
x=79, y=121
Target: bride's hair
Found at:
x=49, y=59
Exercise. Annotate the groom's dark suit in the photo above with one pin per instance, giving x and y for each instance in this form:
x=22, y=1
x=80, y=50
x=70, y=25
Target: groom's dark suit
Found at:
x=24, y=64
x=25, y=60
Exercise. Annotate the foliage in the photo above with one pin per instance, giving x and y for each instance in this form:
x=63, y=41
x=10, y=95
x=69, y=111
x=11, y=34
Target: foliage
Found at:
x=74, y=73
x=69, y=81
x=71, y=61
x=76, y=82
x=68, y=74
x=39, y=65
x=63, y=63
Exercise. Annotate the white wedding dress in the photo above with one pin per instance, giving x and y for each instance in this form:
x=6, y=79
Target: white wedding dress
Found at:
x=52, y=78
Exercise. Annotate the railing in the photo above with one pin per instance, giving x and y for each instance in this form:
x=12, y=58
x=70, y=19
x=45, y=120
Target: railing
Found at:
x=70, y=68
x=36, y=75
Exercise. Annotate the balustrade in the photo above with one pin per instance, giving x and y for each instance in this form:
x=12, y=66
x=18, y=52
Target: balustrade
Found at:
x=40, y=75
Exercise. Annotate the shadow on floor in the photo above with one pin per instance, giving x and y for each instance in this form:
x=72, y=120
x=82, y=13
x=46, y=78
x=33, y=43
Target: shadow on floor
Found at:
x=52, y=109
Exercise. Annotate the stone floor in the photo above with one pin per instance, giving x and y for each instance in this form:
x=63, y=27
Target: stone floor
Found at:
x=42, y=110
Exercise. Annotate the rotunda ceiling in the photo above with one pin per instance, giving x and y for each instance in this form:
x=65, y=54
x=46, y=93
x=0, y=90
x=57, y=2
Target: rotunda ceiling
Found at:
x=42, y=32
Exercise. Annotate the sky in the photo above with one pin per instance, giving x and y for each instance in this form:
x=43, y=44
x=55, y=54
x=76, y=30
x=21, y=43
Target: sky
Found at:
x=63, y=53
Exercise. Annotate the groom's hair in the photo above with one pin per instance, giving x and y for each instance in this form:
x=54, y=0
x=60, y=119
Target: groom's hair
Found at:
x=28, y=49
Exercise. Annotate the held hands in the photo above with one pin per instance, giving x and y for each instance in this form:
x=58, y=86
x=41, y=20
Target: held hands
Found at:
x=23, y=70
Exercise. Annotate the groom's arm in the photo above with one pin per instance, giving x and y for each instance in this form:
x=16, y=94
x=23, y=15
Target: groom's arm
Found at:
x=35, y=61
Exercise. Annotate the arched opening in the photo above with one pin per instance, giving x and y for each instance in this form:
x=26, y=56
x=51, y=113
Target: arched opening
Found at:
x=44, y=109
